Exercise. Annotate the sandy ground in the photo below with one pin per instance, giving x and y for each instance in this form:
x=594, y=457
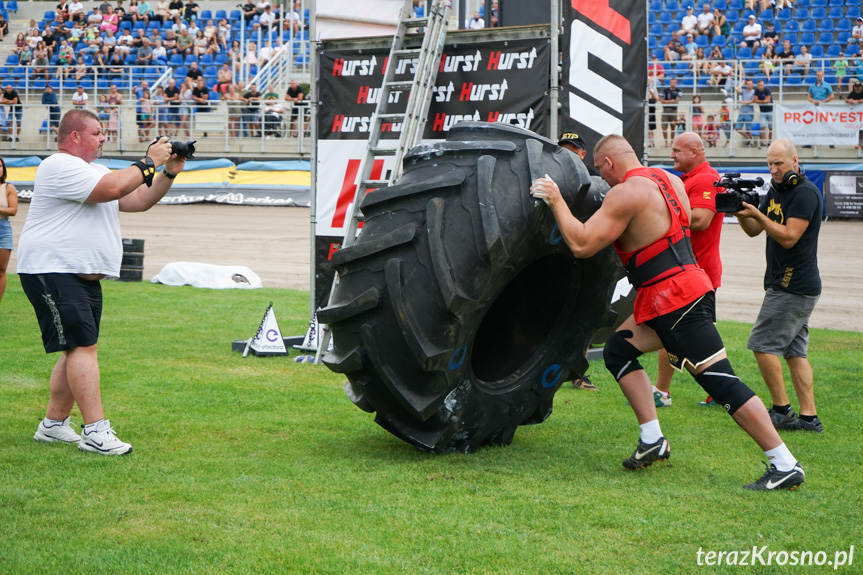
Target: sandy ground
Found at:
x=274, y=243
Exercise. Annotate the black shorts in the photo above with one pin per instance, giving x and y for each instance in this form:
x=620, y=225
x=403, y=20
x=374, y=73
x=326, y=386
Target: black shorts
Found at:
x=689, y=334
x=68, y=309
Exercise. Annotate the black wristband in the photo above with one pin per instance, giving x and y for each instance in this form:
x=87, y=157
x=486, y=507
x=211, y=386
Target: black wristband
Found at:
x=148, y=169
x=168, y=174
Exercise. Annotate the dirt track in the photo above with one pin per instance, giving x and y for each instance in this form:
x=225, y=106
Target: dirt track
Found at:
x=274, y=243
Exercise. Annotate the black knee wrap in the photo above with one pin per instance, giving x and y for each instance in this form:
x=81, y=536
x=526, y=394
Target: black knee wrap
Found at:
x=621, y=357
x=724, y=386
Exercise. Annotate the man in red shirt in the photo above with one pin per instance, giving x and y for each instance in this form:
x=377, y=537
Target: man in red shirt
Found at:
x=687, y=153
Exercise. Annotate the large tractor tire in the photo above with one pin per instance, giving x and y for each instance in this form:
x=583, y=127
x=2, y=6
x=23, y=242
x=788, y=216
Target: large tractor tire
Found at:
x=460, y=310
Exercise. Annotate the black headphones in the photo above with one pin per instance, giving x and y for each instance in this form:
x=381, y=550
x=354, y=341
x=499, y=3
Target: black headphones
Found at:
x=789, y=180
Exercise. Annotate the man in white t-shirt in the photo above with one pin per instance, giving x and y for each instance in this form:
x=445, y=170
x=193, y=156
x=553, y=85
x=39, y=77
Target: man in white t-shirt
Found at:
x=751, y=33
x=79, y=98
x=71, y=240
x=689, y=23
x=76, y=11
x=857, y=32
x=705, y=21
x=475, y=23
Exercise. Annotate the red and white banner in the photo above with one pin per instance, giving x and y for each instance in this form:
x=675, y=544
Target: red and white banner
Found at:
x=827, y=124
x=604, y=70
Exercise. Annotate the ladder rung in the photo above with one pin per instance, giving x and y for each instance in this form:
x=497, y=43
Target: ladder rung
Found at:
x=375, y=184
x=407, y=53
x=384, y=151
x=400, y=86
x=416, y=22
x=397, y=118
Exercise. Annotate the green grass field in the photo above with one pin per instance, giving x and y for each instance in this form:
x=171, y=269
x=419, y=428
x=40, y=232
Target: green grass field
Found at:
x=262, y=465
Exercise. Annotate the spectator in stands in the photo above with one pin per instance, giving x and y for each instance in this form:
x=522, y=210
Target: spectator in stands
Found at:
x=61, y=29
x=163, y=118
x=76, y=11
x=801, y=62
x=92, y=40
x=266, y=20
x=41, y=62
x=116, y=66
x=855, y=96
x=102, y=62
x=184, y=112
x=184, y=42
x=175, y=9
x=80, y=98
x=124, y=43
x=265, y=53
x=840, y=64
x=49, y=99
x=211, y=30
x=821, y=91
x=145, y=12
x=751, y=33
x=702, y=63
x=711, y=132
x=725, y=122
x=251, y=58
x=705, y=21
x=670, y=97
x=194, y=72
x=170, y=42
x=109, y=41
x=162, y=12
x=857, y=33
x=129, y=13
x=144, y=56
x=690, y=46
x=746, y=92
x=25, y=56
x=144, y=117
x=81, y=69
x=140, y=40
x=296, y=19
x=61, y=11
x=697, y=115
x=689, y=22
x=110, y=21
x=719, y=74
x=199, y=44
x=65, y=57
x=674, y=50
x=260, y=5
x=769, y=60
x=764, y=99
x=274, y=113
x=191, y=10
x=94, y=17
x=785, y=52
x=224, y=34
x=201, y=96
x=142, y=95
x=655, y=71
x=249, y=12
x=33, y=37
x=178, y=25
x=652, y=98
x=721, y=27
x=224, y=78
x=155, y=34
x=252, y=111
x=193, y=28
x=102, y=113
x=160, y=55
x=296, y=97
x=475, y=23
x=103, y=7
x=4, y=26
x=235, y=104
x=771, y=36
x=172, y=98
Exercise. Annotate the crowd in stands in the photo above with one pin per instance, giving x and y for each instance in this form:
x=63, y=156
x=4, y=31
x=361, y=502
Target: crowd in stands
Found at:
x=742, y=48
x=127, y=45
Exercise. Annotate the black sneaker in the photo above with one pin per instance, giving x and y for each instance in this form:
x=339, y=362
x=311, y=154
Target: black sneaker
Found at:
x=787, y=421
x=814, y=425
x=775, y=479
x=646, y=453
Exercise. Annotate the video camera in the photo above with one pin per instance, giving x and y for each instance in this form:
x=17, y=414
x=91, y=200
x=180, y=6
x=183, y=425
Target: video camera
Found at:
x=736, y=192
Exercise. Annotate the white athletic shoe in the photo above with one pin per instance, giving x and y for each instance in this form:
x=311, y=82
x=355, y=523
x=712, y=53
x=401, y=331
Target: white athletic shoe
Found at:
x=56, y=432
x=102, y=439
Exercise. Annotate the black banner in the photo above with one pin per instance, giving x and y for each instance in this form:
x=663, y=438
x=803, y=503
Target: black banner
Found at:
x=604, y=49
x=843, y=194
x=491, y=81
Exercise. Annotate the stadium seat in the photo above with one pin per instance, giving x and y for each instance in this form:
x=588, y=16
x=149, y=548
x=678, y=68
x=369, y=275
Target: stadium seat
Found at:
x=211, y=72
x=732, y=16
x=718, y=40
x=819, y=3
x=826, y=38
x=672, y=5
x=181, y=71
x=800, y=13
x=735, y=5
x=728, y=53
x=55, y=83
x=48, y=16
x=236, y=15
x=12, y=6
x=664, y=18
x=656, y=6
x=844, y=25
x=817, y=51
x=836, y=3
x=852, y=50
x=819, y=13
x=853, y=12
x=807, y=38
x=791, y=26
x=842, y=37
x=836, y=12
x=175, y=60
x=702, y=41
x=125, y=25
x=189, y=59
x=220, y=59
x=220, y=14
x=2, y=6
x=44, y=128
x=206, y=60
x=791, y=38
x=656, y=30
x=826, y=26
x=205, y=15
x=153, y=25
x=744, y=53
x=834, y=51
x=721, y=4
x=140, y=24
x=12, y=60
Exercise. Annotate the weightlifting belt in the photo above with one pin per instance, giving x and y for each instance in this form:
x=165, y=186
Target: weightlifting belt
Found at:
x=662, y=259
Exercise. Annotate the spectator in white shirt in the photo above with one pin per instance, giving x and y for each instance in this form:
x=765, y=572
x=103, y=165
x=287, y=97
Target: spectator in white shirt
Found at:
x=857, y=32
x=705, y=21
x=689, y=23
x=475, y=23
x=751, y=33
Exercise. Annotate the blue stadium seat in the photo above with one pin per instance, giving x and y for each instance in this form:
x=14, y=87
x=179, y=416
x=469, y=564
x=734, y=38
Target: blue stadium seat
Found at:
x=852, y=50
x=728, y=53
x=819, y=3
x=12, y=6
x=48, y=16
x=664, y=18
x=793, y=80
x=672, y=5
x=842, y=37
x=844, y=25
x=236, y=15
x=801, y=13
x=817, y=51
x=744, y=53
x=651, y=18
x=836, y=12
x=125, y=25
x=834, y=51
x=732, y=16
x=175, y=60
x=206, y=60
x=205, y=15
x=153, y=25
x=220, y=14
x=735, y=5
x=220, y=59
x=140, y=24
x=809, y=26
x=721, y=4
x=55, y=83
x=826, y=38
x=181, y=71
x=783, y=15
x=189, y=59
x=791, y=38
x=211, y=72
x=853, y=12
x=819, y=13
x=12, y=60
x=656, y=6
x=836, y=3
x=718, y=40
x=656, y=30
x=2, y=6
x=702, y=41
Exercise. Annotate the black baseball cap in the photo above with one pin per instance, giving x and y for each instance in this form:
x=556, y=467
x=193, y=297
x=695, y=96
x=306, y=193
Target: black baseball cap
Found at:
x=572, y=138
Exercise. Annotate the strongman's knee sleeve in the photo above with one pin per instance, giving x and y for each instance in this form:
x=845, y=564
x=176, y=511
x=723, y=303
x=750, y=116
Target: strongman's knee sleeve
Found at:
x=724, y=386
x=621, y=357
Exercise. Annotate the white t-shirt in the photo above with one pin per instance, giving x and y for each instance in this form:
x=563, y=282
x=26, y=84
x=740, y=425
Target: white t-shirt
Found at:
x=689, y=22
x=62, y=233
x=79, y=100
x=705, y=20
x=752, y=32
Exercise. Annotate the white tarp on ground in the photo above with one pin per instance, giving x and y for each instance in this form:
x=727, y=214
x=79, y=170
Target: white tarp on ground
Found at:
x=352, y=19
x=207, y=276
